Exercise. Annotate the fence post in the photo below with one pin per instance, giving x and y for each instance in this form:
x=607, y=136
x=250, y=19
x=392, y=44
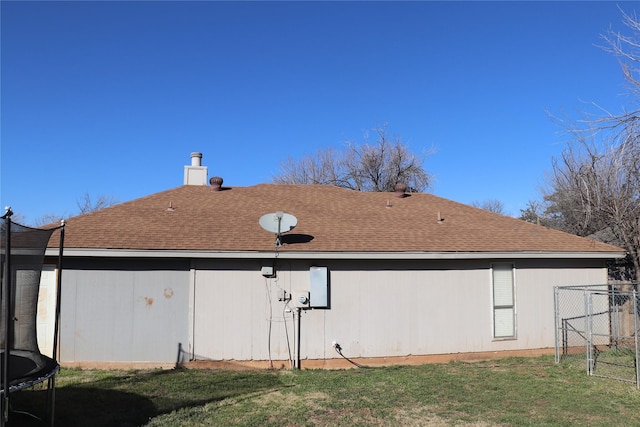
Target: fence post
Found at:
x=565, y=337
x=588, y=331
x=614, y=317
x=556, y=316
x=635, y=335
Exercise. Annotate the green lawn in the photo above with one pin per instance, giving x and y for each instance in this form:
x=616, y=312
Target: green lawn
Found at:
x=514, y=391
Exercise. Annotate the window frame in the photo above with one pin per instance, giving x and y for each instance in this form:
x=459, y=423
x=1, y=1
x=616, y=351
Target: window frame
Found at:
x=500, y=306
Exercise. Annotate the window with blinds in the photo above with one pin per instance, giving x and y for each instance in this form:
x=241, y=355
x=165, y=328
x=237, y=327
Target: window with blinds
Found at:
x=504, y=319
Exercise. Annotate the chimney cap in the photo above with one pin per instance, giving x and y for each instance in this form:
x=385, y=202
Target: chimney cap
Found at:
x=196, y=157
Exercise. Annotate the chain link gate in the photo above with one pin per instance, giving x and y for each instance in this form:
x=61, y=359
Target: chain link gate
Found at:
x=598, y=325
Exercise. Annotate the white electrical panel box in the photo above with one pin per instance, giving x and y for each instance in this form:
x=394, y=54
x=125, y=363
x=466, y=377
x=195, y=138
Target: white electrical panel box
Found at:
x=267, y=271
x=300, y=299
x=319, y=287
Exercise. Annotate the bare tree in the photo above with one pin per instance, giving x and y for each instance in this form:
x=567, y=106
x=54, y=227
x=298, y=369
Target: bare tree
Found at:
x=596, y=193
x=47, y=219
x=534, y=213
x=594, y=187
x=16, y=217
x=87, y=204
x=323, y=168
x=364, y=166
x=491, y=205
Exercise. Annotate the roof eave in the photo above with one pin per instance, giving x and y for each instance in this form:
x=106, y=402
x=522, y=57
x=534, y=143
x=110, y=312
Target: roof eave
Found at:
x=199, y=254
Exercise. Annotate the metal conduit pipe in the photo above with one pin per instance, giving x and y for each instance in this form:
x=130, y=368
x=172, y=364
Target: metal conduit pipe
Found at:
x=299, y=311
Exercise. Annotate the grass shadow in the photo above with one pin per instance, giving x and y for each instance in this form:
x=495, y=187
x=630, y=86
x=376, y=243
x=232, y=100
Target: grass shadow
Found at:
x=132, y=399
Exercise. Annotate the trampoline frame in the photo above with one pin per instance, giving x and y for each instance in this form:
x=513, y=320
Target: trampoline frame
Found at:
x=50, y=365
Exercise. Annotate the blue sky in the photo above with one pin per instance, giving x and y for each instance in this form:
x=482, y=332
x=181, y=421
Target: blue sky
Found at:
x=110, y=98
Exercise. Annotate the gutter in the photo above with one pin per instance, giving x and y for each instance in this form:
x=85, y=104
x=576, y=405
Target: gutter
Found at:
x=191, y=254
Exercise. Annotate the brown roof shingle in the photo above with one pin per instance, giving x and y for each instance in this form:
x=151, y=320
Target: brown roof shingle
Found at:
x=329, y=219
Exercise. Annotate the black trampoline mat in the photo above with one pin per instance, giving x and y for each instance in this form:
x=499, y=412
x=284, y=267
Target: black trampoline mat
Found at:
x=27, y=366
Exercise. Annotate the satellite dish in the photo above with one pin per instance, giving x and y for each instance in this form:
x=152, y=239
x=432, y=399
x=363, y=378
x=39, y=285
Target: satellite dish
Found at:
x=278, y=223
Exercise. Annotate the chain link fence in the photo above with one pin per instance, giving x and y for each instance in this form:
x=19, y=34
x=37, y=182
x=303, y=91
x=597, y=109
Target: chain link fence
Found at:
x=597, y=327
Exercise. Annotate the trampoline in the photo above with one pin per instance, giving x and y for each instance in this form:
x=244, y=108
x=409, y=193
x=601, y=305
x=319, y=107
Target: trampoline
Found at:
x=22, y=365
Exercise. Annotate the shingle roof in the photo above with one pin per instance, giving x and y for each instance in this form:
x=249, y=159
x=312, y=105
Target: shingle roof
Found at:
x=330, y=219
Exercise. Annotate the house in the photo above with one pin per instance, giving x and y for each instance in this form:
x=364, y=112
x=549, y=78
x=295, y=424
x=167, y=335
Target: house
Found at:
x=190, y=274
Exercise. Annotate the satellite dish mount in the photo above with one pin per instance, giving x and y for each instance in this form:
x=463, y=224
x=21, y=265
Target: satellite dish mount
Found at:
x=278, y=223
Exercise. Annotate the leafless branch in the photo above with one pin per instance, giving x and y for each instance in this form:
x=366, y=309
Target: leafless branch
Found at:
x=367, y=166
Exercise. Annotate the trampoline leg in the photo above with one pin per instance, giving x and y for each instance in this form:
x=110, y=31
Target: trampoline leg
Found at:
x=51, y=401
x=4, y=417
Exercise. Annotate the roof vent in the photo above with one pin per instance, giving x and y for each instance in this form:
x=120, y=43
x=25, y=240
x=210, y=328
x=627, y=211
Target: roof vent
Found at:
x=400, y=189
x=216, y=183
